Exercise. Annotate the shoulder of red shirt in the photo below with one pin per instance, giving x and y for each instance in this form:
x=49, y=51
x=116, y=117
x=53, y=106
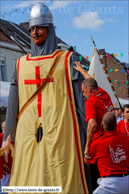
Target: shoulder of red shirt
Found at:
x=120, y=123
x=1, y=138
x=100, y=90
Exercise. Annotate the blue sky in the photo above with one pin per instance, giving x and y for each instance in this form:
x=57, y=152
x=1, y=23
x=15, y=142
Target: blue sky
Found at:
x=75, y=21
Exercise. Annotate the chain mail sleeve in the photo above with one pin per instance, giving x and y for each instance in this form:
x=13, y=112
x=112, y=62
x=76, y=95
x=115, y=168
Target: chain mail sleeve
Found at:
x=12, y=109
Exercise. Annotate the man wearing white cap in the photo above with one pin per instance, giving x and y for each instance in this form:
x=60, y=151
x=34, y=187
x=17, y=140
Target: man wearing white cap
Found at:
x=57, y=159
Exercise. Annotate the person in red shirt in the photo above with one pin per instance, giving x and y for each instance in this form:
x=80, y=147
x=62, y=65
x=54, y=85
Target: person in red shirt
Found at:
x=123, y=125
x=111, y=151
x=5, y=176
x=97, y=104
x=6, y=165
x=2, y=150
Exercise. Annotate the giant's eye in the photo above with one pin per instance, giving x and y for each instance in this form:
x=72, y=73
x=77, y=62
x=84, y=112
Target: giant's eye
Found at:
x=40, y=28
x=31, y=29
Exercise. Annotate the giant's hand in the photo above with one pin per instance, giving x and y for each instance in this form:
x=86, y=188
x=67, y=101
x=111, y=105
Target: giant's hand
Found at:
x=6, y=170
x=8, y=141
x=11, y=148
x=8, y=146
x=5, y=155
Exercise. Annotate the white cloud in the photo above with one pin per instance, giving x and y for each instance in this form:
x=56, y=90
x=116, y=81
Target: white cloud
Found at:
x=88, y=20
x=59, y=4
x=110, y=20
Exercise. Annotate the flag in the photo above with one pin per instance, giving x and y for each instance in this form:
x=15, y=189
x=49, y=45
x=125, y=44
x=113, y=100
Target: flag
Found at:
x=87, y=67
x=115, y=55
x=97, y=72
x=87, y=57
x=122, y=54
x=108, y=56
x=80, y=58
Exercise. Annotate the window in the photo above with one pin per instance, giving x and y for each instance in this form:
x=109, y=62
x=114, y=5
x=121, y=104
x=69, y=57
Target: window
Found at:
x=2, y=68
x=14, y=64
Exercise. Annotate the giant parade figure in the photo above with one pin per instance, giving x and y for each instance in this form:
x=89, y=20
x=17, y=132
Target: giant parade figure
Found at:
x=57, y=160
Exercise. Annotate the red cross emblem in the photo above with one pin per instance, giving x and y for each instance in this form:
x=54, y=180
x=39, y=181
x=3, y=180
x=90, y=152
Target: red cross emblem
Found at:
x=38, y=82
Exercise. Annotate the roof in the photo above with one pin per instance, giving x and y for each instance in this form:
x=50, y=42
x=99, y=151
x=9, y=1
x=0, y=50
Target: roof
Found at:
x=16, y=30
x=125, y=65
x=104, y=53
x=5, y=39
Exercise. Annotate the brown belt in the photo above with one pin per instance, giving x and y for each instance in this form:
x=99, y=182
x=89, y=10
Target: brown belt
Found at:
x=117, y=175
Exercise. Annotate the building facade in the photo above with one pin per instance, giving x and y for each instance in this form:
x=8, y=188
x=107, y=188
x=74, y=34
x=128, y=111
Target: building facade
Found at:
x=9, y=53
x=118, y=74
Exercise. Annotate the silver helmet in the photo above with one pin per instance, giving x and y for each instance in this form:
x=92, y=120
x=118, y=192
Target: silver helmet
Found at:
x=40, y=15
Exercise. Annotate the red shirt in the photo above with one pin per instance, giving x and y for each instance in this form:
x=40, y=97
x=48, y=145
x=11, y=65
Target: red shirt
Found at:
x=96, y=106
x=1, y=159
x=111, y=151
x=9, y=164
x=122, y=126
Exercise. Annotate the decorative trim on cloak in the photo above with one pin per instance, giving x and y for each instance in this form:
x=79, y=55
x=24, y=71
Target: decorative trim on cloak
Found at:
x=18, y=62
x=41, y=58
x=74, y=120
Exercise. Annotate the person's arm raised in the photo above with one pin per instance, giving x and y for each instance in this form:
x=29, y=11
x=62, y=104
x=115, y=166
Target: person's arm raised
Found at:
x=79, y=68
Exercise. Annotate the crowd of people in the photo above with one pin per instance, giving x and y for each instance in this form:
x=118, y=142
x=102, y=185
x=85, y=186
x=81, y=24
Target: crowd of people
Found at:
x=119, y=115
x=105, y=144
x=75, y=132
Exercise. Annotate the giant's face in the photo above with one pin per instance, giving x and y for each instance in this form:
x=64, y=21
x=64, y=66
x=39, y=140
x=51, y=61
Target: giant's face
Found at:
x=39, y=34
